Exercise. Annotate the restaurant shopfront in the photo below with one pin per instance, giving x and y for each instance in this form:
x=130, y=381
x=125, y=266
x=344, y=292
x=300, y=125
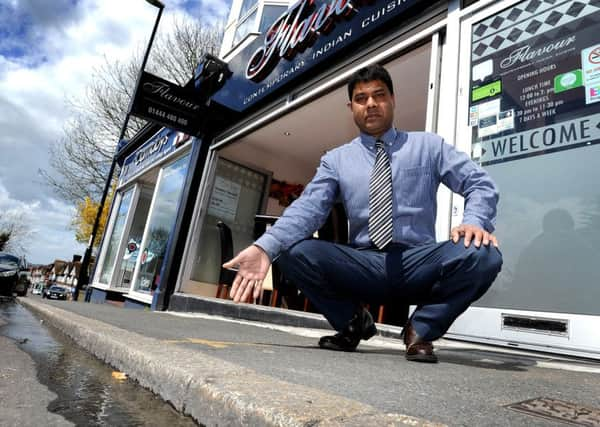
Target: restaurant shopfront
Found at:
x=295, y=113
x=516, y=84
x=142, y=228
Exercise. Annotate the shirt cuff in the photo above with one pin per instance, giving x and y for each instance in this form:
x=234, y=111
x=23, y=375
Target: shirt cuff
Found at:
x=270, y=245
x=472, y=220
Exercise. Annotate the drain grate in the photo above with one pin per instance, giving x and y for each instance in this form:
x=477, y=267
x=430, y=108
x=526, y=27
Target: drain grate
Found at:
x=559, y=410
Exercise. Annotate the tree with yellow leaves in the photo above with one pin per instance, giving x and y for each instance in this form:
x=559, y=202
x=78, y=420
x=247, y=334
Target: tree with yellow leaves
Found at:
x=84, y=218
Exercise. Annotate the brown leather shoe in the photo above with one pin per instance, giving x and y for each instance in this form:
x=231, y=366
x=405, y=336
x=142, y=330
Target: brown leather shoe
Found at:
x=417, y=350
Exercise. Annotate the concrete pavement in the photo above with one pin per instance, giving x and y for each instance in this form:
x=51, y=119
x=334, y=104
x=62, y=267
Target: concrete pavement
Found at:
x=235, y=372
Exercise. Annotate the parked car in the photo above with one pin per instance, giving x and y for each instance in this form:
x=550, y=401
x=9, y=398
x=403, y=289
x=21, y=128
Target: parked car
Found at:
x=38, y=288
x=23, y=282
x=55, y=292
x=10, y=269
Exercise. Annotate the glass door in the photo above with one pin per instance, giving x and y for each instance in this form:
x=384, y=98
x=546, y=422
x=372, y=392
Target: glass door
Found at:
x=529, y=112
x=111, y=249
x=163, y=213
x=130, y=249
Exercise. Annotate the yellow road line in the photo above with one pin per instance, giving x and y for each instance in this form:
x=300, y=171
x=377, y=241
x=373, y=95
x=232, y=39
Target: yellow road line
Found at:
x=209, y=343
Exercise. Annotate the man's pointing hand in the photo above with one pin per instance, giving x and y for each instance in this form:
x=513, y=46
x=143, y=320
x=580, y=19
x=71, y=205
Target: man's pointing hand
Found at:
x=253, y=264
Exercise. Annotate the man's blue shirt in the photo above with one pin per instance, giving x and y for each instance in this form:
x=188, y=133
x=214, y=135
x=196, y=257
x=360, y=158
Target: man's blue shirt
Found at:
x=420, y=162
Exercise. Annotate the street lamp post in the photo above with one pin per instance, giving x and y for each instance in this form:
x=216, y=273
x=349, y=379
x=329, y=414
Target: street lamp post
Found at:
x=83, y=276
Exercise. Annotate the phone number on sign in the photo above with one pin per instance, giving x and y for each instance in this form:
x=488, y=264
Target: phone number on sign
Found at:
x=167, y=116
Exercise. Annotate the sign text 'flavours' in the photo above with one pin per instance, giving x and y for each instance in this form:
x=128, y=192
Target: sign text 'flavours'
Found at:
x=294, y=31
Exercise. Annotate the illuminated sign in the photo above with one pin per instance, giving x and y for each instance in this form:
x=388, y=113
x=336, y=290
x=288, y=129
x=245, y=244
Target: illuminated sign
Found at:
x=291, y=33
x=308, y=34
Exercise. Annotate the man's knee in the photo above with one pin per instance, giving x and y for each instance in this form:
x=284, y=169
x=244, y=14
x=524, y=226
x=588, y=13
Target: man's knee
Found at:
x=484, y=260
x=479, y=267
x=485, y=264
x=489, y=260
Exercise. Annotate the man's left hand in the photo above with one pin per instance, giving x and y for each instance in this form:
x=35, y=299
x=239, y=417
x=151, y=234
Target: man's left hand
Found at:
x=473, y=233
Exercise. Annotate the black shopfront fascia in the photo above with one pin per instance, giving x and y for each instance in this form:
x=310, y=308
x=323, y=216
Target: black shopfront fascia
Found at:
x=356, y=28
x=289, y=54
x=389, y=34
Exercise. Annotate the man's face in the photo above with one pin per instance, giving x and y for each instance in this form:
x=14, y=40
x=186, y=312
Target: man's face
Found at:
x=372, y=106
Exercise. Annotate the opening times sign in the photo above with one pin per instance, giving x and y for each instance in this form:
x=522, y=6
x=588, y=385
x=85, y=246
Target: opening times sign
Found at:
x=535, y=80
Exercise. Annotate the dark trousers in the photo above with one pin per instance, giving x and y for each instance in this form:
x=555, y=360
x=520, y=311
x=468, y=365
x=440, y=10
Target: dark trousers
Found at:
x=441, y=279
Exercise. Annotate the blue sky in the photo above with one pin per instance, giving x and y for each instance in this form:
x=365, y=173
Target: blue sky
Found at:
x=47, y=49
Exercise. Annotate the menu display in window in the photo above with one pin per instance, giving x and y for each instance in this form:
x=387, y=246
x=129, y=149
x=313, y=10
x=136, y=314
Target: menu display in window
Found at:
x=224, y=200
x=535, y=80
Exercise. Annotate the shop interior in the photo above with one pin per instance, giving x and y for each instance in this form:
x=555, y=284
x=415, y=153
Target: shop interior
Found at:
x=286, y=153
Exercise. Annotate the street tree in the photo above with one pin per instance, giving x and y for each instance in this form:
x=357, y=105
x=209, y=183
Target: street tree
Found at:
x=81, y=158
x=84, y=218
x=14, y=232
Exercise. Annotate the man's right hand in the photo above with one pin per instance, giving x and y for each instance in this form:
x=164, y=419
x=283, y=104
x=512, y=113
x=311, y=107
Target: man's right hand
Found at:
x=253, y=264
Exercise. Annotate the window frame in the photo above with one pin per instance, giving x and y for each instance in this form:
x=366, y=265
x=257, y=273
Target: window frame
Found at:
x=147, y=297
x=108, y=232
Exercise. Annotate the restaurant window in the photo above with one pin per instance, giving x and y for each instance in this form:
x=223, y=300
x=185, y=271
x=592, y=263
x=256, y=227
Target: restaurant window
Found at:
x=247, y=5
x=534, y=121
x=160, y=224
x=115, y=237
x=269, y=15
x=237, y=196
x=245, y=27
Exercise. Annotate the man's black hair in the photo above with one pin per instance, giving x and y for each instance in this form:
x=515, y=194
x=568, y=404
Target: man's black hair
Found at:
x=369, y=74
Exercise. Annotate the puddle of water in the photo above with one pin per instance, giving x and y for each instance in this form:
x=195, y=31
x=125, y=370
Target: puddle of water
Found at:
x=87, y=392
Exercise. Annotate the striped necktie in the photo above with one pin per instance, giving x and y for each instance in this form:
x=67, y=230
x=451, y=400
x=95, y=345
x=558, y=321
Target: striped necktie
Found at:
x=380, y=199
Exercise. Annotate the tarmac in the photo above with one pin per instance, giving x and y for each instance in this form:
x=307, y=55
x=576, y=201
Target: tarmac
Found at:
x=226, y=371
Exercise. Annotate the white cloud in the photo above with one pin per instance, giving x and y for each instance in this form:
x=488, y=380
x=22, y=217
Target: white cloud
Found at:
x=51, y=62
x=203, y=10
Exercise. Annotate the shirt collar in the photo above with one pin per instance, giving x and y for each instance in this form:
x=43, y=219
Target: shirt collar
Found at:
x=389, y=137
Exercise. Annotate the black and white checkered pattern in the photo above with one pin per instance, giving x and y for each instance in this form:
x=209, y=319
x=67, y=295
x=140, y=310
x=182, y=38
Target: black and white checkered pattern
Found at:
x=524, y=21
